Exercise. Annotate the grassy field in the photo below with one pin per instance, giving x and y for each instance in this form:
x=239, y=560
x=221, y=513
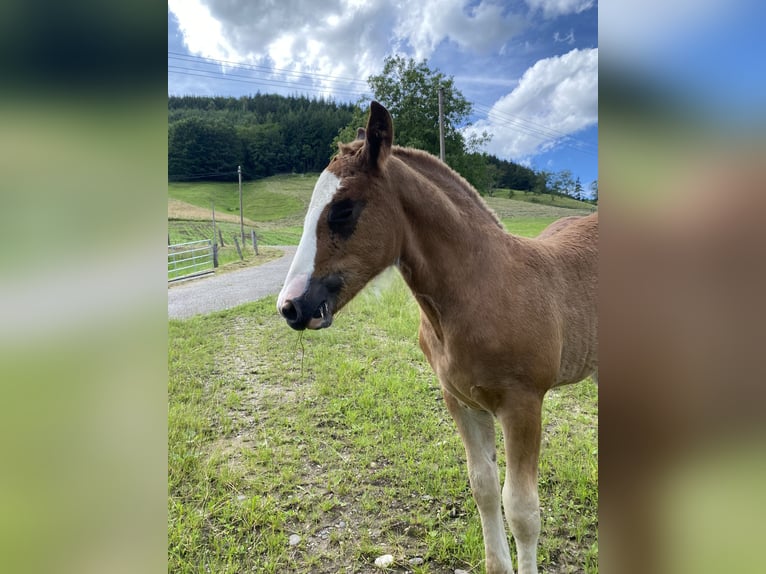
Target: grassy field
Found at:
x=262, y=200
x=274, y=207
x=543, y=199
x=341, y=438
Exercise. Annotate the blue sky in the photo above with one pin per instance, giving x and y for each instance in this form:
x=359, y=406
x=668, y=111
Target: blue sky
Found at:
x=530, y=67
x=709, y=51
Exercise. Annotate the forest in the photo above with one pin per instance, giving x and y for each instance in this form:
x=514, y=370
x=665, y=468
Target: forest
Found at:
x=208, y=137
x=266, y=134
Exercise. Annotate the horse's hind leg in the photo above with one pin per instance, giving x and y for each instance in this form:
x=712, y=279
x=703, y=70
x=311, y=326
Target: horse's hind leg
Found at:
x=477, y=429
x=520, y=419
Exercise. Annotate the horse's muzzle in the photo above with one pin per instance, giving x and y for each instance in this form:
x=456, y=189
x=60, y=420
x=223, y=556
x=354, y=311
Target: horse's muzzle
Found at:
x=314, y=308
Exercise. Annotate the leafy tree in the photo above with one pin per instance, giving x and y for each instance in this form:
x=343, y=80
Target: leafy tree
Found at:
x=543, y=180
x=265, y=134
x=410, y=91
x=197, y=147
x=579, y=193
x=561, y=183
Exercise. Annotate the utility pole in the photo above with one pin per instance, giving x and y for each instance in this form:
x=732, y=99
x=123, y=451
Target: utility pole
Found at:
x=441, y=124
x=241, y=217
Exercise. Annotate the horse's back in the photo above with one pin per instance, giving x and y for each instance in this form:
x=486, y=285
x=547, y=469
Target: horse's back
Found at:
x=584, y=226
x=572, y=243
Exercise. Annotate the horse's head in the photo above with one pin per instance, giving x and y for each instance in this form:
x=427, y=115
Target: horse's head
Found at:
x=347, y=235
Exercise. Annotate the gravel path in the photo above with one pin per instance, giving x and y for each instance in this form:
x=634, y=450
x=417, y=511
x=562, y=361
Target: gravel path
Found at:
x=218, y=292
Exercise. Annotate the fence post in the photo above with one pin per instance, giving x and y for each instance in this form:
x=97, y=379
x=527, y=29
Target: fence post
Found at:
x=213, y=206
x=215, y=255
x=239, y=251
x=220, y=236
x=255, y=241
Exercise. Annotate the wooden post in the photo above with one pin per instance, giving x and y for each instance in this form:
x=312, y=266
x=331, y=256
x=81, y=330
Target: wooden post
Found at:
x=241, y=215
x=220, y=236
x=213, y=206
x=215, y=255
x=441, y=124
x=255, y=241
x=239, y=251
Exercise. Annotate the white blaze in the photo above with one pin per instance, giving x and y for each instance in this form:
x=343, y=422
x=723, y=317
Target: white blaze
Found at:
x=302, y=267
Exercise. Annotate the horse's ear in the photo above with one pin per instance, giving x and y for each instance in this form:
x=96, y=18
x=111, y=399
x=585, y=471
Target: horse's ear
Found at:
x=379, y=135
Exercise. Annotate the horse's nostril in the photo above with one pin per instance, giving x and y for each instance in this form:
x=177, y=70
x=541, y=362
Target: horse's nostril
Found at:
x=289, y=311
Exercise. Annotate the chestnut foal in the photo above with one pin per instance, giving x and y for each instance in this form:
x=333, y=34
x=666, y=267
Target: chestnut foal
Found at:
x=503, y=318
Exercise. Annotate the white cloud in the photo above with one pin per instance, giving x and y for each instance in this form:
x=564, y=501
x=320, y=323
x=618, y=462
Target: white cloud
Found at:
x=339, y=37
x=568, y=39
x=553, y=8
x=555, y=98
x=202, y=33
x=329, y=37
x=481, y=28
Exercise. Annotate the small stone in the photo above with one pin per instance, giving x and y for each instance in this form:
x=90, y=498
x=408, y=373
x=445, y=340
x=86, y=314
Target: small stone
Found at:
x=384, y=561
x=294, y=540
x=459, y=571
x=417, y=561
x=341, y=524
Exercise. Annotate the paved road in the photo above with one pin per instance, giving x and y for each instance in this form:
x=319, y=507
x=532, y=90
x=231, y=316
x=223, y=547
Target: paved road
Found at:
x=218, y=292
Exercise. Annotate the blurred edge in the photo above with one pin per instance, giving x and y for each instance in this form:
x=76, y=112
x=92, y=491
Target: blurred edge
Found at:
x=83, y=349
x=83, y=336
x=682, y=453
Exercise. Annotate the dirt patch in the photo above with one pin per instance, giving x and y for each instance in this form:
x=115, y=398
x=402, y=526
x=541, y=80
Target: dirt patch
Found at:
x=178, y=209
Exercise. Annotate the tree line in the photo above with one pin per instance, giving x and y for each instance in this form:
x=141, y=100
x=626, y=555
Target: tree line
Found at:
x=208, y=137
x=266, y=134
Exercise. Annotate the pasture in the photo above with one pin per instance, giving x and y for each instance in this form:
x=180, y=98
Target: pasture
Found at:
x=274, y=433
x=275, y=206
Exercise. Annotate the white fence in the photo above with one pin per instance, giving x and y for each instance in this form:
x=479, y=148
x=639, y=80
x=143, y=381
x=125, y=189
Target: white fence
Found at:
x=190, y=259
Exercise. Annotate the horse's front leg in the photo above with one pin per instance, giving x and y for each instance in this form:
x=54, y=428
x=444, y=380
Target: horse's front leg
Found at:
x=520, y=419
x=477, y=429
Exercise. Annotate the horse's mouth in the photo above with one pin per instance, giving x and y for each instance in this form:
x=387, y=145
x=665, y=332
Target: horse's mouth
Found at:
x=314, y=308
x=321, y=318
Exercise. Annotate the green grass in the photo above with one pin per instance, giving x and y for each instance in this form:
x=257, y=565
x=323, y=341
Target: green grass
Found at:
x=341, y=436
x=276, y=207
x=269, y=199
x=528, y=227
x=544, y=198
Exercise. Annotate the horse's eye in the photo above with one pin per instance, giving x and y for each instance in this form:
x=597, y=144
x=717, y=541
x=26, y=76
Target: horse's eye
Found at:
x=343, y=215
x=341, y=212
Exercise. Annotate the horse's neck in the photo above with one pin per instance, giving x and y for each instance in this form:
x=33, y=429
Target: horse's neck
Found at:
x=449, y=240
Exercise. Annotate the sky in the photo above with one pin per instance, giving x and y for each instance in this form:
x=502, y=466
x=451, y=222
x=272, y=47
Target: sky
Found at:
x=709, y=51
x=529, y=67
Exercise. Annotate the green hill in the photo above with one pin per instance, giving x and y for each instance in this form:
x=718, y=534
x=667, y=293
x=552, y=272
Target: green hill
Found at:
x=275, y=208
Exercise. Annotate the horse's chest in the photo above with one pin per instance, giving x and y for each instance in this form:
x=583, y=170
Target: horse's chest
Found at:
x=458, y=372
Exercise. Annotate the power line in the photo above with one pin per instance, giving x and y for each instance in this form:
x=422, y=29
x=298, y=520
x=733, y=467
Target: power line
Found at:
x=215, y=75
x=538, y=130
x=354, y=87
x=265, y=69
x=292, y=78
